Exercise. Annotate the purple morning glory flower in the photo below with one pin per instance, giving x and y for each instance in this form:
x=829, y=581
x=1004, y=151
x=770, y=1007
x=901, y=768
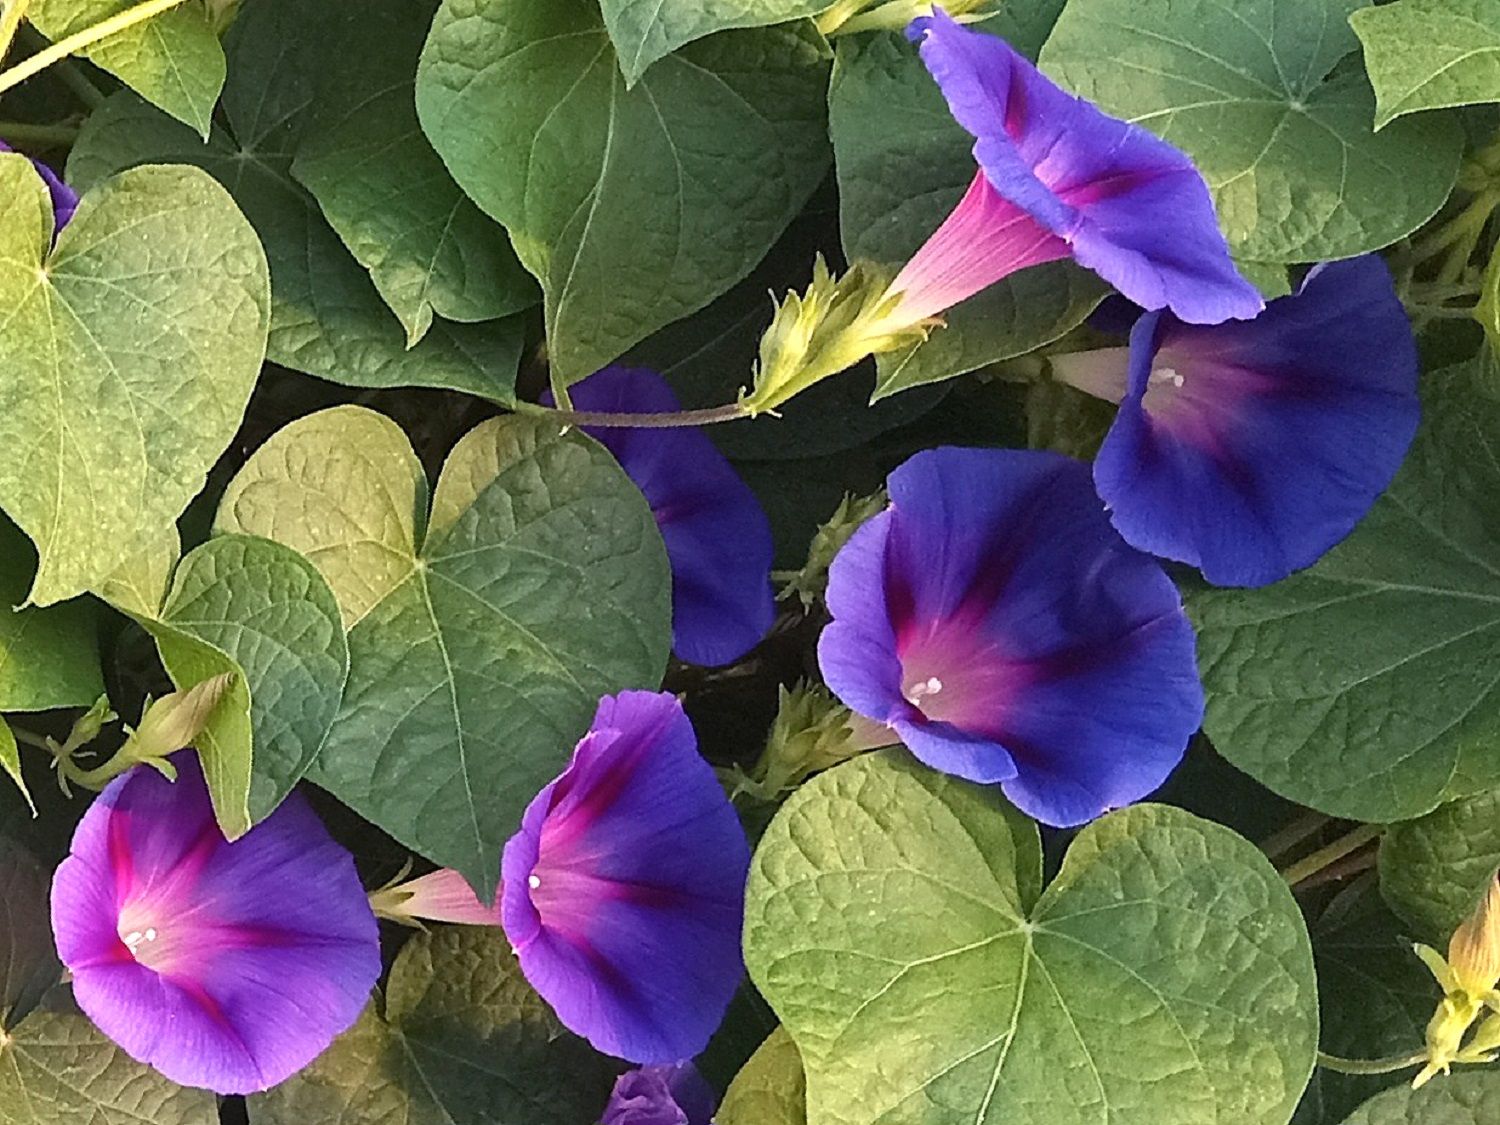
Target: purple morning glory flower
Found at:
x=225, y=966
x=661, y=1095
x=718, y=538
x=1250, y=449
x=1001, y=626
x=624, y=891
x=64, y=198
x=1058, y=177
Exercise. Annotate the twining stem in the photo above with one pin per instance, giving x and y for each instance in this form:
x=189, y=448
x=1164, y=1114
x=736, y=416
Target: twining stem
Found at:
x=1285, y=839
x=24, y=133
x=1323, y=857
x=10, y=22
x=60, y=50
x=676, y=420
x=1370, y=1066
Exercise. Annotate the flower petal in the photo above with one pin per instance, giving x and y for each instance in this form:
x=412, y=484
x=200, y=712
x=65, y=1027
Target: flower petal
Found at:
x=623, y=893
x=661, y=1095
x=227, y=966
x=1007, y=632
x=718, y=538
x=1250, y=449
x=1133, y=207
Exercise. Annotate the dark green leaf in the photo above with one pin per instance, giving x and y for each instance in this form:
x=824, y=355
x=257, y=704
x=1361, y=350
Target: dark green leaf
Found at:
x=28, y=964
x=1434, y=870
x=1470, y=1097
x=632, y=207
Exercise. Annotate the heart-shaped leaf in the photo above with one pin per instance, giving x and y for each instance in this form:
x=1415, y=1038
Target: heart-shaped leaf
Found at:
x=1164, y=978
x=328, y=318
x=647, y=30
x=1254, y=93
x=540, y=585
x=1469, y=1097
x=1385, y=728
x=635, y=207
x=128, y=351
x=429, y=250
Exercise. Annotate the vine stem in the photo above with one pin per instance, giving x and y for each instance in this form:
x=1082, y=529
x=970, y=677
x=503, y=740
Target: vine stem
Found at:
x=1387, y=1065
x=10, y=23
x=1349, y=842
x=678, y=420
x=24, y=133
x=30, y=738
x=60, y=50
x=1285, y=839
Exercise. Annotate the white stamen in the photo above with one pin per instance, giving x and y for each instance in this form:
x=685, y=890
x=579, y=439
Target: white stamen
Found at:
x=533, y=881
x=135, y=937
x=1167, y=375
x=916, y=693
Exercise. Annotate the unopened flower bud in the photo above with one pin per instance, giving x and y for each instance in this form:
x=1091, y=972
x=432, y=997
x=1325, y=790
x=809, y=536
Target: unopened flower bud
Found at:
x=847, y=17
x=1474, y=949
x=174, y=723
x=837, y=323
x=442, y=896
x=812, y=732
x=811, y=581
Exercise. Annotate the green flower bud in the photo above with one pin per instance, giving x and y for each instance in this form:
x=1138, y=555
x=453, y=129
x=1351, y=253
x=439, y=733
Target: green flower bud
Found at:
x=811, y=581
x=812, y=732
x=847, y=17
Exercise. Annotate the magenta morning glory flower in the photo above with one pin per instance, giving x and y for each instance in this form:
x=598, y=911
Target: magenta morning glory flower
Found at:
x=1249, y=449
x=623, y=893
x=993, y=617
x=225, y=966
x=718, y=538
x=64, y=198
x=660, y=1095
x=1057, y=178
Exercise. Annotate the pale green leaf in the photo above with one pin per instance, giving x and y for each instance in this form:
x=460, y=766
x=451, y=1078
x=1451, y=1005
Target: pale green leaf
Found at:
x=1469, y=1097
x=645, y=31
x=770, y=1090
x=903, y=164
x=1368, y=685
x=28, y=963
x=634, y=207
x=363, y=156
x=173, y=59
x=343, y=488
x=1255, y=94
x=1430, y=54
x=48, y=657
x=464, y=1041
x=1164, y=978
x=139, y=585
x=1434, y=870
x=271, y=613
x=328, y=318
x=130, y=351
x=58, y=1069
x=541, y=585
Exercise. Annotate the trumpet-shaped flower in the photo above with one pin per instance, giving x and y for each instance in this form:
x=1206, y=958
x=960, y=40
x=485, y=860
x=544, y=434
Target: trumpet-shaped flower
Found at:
x=1056, y=178
x=1250, y=449
x=1001, y=626
x=718, y=538
x=623, y=893
x=660, y=1095
x=64, y=198
x=225, y=966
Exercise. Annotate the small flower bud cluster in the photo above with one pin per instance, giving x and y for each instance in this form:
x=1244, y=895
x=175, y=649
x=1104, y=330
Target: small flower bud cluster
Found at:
x=812, y=732
x=811, y=581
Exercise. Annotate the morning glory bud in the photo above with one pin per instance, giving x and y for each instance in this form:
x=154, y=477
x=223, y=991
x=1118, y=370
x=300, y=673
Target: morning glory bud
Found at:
x=810, y=583
x=813, y=732
x=1474, y=949
x=660, y=1095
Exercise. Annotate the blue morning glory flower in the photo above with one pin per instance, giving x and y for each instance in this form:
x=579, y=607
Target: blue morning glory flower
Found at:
x=718, y=538
x=660, y=1095
x=998, y=623
x=64, y=198
x=624, y=891
x=1250, y=449
x=1057, y=178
